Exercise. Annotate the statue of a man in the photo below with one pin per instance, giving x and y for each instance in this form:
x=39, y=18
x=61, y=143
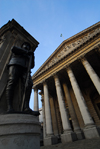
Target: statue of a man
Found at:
x=18, y=67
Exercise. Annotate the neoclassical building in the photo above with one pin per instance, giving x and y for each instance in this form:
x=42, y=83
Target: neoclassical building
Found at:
x=69, y=81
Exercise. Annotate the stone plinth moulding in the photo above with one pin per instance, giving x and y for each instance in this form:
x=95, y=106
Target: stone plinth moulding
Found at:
x=19, y=131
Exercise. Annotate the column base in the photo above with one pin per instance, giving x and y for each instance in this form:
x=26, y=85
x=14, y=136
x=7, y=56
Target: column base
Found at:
x=68, y=137
x=19, y=131
x=50, y=140
x=91, y=132
x=98, y=128
x=80, y=134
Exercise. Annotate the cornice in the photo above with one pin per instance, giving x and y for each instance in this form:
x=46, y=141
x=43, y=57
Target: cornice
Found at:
x=66, y=49
x=66, y=62
x=13, y=25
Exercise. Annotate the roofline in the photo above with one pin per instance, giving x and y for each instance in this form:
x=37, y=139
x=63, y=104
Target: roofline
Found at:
x=65, y=41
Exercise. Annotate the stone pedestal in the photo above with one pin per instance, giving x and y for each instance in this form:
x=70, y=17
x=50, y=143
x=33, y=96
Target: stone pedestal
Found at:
x=68, y=137
x=19, y=131
x=80, y=134
x=91, y=132
x=51, y=140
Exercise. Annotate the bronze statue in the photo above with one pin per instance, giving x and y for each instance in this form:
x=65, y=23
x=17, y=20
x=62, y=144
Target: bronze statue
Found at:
x=18, y=68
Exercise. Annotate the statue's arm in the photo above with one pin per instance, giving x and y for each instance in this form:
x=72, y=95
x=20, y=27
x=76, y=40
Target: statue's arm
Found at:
x=17, y=50
x=31, y=53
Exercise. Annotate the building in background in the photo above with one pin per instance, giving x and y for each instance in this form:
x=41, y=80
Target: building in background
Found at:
x=41, y=122
x=69, y=81
x=40, y=116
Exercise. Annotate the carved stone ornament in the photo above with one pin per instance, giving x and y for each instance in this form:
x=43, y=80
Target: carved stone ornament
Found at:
x=68, y=48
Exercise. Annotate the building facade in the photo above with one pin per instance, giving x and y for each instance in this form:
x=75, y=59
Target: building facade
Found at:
x=69, y=81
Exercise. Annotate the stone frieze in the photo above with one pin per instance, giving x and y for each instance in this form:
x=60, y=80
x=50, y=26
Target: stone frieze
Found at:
x=68, y=48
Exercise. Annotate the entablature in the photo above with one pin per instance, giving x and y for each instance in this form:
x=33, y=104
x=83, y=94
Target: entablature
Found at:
x=68, y=60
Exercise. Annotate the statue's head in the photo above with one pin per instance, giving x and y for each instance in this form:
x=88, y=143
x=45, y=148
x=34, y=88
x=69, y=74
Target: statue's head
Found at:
x=26, y=46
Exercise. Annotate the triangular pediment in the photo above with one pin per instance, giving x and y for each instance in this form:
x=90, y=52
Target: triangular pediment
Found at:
x=68, y=46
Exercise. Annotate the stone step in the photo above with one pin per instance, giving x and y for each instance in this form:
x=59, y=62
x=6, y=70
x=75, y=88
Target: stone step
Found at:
x=81, y=144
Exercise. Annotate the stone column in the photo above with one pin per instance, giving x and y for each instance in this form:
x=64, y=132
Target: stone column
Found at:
x=47, y=111
x=72, y=112
x=90, y=130
x=92, y=74
x=67, y=136
x=54, y=118
x=43, y=115
x=36, y=106
x=49, y=131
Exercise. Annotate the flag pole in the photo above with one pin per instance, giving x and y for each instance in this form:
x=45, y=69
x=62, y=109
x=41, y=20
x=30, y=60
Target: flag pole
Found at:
x=62, y=36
